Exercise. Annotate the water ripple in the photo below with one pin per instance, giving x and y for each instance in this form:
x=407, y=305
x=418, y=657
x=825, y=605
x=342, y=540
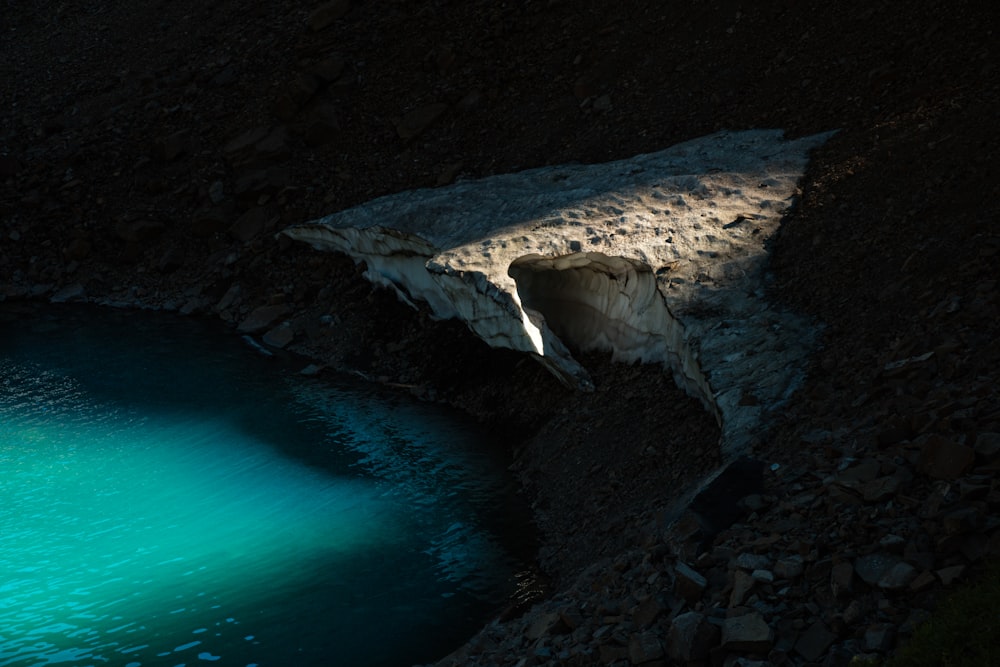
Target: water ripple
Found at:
x=174, y=497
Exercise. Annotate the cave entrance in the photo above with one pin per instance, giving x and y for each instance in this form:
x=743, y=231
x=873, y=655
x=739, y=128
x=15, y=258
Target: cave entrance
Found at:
x=592, y=301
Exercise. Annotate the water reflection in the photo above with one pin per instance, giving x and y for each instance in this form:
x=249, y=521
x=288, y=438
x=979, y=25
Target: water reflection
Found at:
x=169, y=497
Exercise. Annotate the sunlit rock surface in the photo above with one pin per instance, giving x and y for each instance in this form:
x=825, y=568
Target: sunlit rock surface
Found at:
x=659, y=258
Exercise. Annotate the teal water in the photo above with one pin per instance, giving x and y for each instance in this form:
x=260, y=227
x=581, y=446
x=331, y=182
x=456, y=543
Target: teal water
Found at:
x=170, y=496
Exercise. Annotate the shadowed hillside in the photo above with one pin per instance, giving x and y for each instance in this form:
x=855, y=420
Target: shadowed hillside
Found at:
x=149, y=151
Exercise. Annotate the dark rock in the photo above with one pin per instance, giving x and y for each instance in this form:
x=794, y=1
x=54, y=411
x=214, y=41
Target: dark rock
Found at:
x=644, y=647
x=285, y=108
x=329, y=69
x=974, y=547
x=227, y=77
x=610, y=653
x=892, y=434
x=470, y=101
x=691, y=637
x=544, y=625
x=571, y=618
x=949, y=575
x=870, y=568
x=262, y=317
x=279, y=336
x=892, y=543
x=689, y=584
x=274, y=146
x=863, y=472
x=922, y=582
x=131, y=253
x=973, y=490
x=842, y=578
x=77, y=249
x=751, y=561
x=195, y=305
x=418, y=120
x=232, y=297
x=742, y=585
x=879, y=638
x=748, y=633
x=69, y=294
x=716, y=504
x=880, y=489
x=172, y=146
x=897, y=577
x=170, y=261
x=216, y=192
x=448, y=173
x=257, y=181
x=141, y=231
x=249, y=225
x=211, y=221
x=987, y=447
x=54, y=125
x=302, y=88
x=602, y=104
x=583, y=88
x=941, y=458
x=9, y=166
x=242, y=147
x=755, y=502
x=789, y=567
x=647, y=611
x=327, y=13
x=962, y=520
x=854, y=612
x=321, y=125
x=815, y=641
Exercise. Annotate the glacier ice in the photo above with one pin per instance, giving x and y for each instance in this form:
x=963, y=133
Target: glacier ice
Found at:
x=659, y=258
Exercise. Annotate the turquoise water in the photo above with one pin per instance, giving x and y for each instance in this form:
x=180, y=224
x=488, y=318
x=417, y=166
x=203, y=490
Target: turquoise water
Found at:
x=170, y=496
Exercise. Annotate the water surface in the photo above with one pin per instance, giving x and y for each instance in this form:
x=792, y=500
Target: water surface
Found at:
x=170, y=496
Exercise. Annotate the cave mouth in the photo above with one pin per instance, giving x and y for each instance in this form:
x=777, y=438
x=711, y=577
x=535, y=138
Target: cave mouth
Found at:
x=596, y=302
x=177, y=497
x=593, y=301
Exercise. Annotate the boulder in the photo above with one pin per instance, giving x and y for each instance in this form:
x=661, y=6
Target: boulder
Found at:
x=942, y=458
x=261, y=318
x=691, y=637
x=644, y=647
x=814, y=642
x=689, y=584
x=748, y=633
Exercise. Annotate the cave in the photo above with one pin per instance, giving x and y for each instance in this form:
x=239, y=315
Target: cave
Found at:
x=592, y=301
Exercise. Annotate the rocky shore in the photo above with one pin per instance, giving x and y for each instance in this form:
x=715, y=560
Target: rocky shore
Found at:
x=148, y=155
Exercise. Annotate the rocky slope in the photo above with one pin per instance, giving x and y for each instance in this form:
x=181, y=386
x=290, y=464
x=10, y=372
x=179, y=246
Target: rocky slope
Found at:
x=148, y=151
